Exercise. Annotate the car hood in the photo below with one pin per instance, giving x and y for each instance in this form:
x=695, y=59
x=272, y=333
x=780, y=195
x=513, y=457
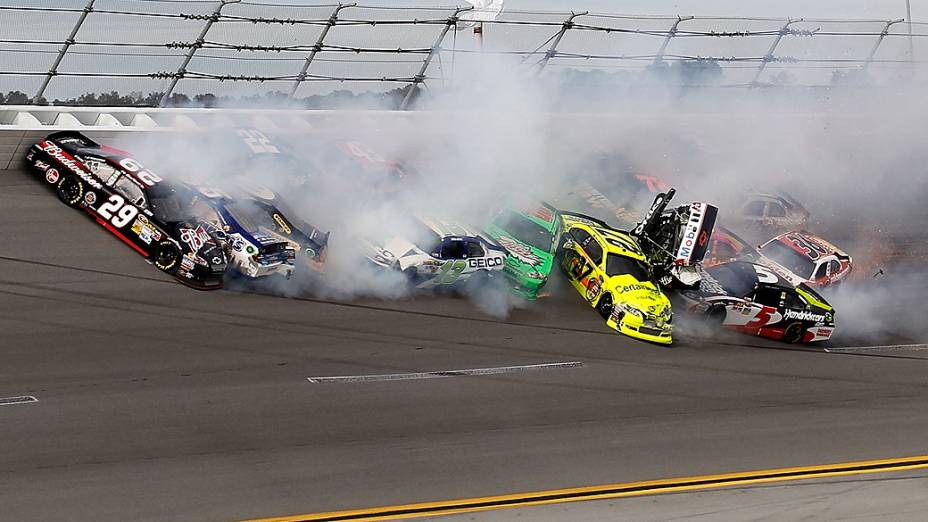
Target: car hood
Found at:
x=644, y=296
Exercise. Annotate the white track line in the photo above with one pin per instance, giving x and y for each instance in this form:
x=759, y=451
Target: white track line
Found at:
x=23, y=399
x=444, y=373
x=881, y=348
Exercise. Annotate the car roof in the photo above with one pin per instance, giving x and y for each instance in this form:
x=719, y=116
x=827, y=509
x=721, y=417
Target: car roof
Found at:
x=746, y=275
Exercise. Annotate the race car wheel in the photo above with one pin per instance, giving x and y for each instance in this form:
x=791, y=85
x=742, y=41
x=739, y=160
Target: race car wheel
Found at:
x=166, y=256
x=70, y=190
x=716, y=314
x=793, y=333
x=605, y=305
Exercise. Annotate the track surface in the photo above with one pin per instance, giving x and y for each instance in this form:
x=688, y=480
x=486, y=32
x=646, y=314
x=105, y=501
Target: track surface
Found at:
x=157, y=402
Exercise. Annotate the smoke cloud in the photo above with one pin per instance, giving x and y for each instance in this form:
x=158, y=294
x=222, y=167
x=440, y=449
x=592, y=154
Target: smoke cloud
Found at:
x=854, y=157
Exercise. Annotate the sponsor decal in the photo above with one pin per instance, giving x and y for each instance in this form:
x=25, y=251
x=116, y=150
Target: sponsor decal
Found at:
x=804, y=315
x=90, y=197
x=146, y=232
x=636, y=286
x=39, y=164
x=519, y=251
x=543, y=213
x=310, y=253
x=195, y=238
x=186, y=262
x=51, y=175
x=488, y=262
x=217, y=260
x=690, y=234
x=284, y=227
x=65, y=159
x=238, y=244
x=250, y=249
x=593, y=288
x=703, y=237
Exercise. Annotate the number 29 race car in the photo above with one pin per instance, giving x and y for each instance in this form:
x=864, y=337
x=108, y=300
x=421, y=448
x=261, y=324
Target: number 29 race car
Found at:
x=153, y=216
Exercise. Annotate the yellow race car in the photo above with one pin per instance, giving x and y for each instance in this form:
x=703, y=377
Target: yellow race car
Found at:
x=609, y=270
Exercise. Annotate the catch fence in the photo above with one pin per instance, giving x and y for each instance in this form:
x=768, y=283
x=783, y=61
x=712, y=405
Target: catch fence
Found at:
x=54, y=49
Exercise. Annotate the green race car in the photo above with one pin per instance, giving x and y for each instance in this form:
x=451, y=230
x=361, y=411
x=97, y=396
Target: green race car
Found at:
x=530, y=237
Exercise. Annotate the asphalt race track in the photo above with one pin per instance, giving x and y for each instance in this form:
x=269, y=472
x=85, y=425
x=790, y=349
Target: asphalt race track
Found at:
x=158, y=402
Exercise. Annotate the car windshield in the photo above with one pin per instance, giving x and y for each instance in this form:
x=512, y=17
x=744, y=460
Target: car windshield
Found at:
x=618, y=265
x=790, y=259
x=525, y=230
x=172, y=204
x=737, y=279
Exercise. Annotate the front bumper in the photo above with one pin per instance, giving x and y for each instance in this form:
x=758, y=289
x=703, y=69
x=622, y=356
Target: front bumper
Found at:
x=638, y=328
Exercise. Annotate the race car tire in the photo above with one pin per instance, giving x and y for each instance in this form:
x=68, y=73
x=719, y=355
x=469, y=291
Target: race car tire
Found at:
x=793, y=333
x=166, y=256
x=716, y=314
x=605, y=305
x=71, y=190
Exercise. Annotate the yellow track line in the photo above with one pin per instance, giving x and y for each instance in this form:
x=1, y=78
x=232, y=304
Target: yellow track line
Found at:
x=606, y=491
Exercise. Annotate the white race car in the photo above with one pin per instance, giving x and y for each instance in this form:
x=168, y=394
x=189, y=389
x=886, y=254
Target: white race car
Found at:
x=435, y=252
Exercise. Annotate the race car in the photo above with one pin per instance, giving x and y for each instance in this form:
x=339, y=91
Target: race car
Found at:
x=750, y=298
x=771, y=211
x=530, y=238
x=435, y=253
x=675, y=241
x=155, y=217
x=610, y=271
x=801, y=257
x=263, y=239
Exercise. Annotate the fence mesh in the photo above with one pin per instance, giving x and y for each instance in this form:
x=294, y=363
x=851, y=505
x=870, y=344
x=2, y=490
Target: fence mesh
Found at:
x=160, y=48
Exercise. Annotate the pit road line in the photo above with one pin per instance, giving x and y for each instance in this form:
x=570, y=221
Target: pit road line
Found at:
x=608, y=491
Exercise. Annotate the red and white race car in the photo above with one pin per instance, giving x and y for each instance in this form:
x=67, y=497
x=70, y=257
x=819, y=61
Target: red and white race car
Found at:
x=800, y=257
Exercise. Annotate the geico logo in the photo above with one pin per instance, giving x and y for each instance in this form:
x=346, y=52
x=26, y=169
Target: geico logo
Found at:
x=63, y=158
x=485, y=263
x=804, y=316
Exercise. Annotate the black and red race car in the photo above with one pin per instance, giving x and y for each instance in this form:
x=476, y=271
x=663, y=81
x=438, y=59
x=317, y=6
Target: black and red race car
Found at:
x=157, y=218
x=750, y=298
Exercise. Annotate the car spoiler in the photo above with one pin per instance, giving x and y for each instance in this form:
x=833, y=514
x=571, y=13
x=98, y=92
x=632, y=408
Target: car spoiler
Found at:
x=74, y=135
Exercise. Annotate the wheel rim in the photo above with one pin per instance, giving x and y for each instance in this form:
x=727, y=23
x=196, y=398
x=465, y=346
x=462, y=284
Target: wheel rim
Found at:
x=605, y=305
x=70, y=190
x=793, y=333
x=166, y=257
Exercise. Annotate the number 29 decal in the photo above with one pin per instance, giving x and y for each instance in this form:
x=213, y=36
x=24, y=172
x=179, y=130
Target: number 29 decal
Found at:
x=117, y=211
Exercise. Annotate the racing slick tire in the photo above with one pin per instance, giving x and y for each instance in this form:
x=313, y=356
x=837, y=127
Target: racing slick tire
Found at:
x=166, y=256
x=605, y=305
x=716, y=314
x=71, y=190
x=793, y=333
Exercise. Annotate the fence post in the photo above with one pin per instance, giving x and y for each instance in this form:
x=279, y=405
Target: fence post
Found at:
x=316, y=48
x=670, y=34
x=879, y=40
x=436, y=48
x=182, y=70
x=552, y=51
x=64, y=49
x=773, y=47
